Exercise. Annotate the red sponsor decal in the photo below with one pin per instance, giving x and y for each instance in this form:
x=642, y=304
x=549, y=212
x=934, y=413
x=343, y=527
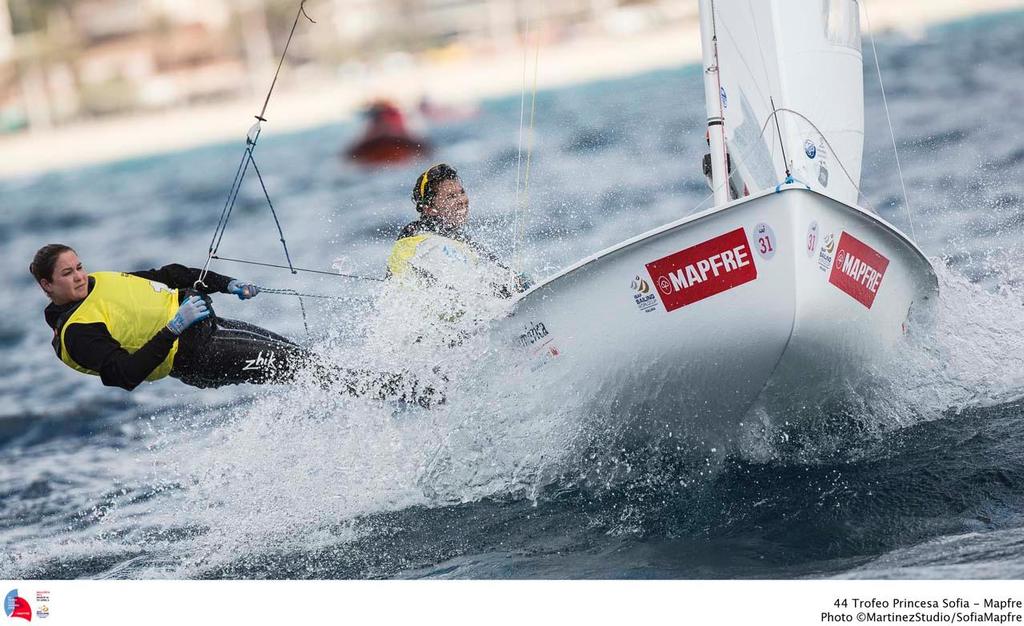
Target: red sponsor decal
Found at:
x=703, y=270
x=858, y=269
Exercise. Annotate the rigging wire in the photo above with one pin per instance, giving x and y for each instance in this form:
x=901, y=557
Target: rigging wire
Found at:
x=782, y=142
x=888, y=118
x=294, y=269
x=522, y=111
x=247, y=159
x=523, y=199
x=292, y=292
x=822, y=135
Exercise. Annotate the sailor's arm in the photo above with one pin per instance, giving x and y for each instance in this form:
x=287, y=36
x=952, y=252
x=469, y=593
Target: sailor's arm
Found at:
x=177, y=276
x=92, y=347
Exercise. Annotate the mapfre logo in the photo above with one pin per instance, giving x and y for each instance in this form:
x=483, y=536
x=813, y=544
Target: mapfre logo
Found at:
x=703, y=270
x=858, y=269
x=16, y=606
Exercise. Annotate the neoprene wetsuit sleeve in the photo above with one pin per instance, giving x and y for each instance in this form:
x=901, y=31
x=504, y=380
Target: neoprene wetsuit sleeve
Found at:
x=177, y=276
x=92, y=347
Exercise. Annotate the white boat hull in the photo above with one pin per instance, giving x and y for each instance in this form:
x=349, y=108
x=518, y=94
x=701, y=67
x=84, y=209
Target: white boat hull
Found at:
x=684, y=328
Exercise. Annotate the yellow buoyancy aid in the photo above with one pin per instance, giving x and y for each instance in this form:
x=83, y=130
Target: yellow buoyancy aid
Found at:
x=132, y=308
x=407, y=249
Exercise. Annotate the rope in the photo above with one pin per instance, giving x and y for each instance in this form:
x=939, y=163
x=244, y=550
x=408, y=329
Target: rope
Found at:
x=523, y=201
x=782, y=142
x=300, y=296
x=266, y=194
x=302, y=305
x=301, y=11
x=247, y=158
x=522, y=111
x=292, y=292
x=229, y=203
x=888, y=118
x=297, y=269
x=697, y=206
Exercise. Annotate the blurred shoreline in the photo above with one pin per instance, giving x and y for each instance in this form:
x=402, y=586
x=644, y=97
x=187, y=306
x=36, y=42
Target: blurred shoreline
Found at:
x=304, y=100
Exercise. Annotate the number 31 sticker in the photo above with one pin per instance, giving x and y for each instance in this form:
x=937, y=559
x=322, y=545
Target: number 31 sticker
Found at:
x=764, y=240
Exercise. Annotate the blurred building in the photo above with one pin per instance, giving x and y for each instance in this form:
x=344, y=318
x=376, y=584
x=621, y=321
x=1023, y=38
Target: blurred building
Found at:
x=62, y=60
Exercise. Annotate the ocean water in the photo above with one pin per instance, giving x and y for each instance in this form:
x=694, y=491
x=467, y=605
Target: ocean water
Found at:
x=922, y=477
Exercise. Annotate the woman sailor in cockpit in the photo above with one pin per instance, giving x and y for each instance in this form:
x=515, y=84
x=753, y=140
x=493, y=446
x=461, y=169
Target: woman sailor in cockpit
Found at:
x=435, y=249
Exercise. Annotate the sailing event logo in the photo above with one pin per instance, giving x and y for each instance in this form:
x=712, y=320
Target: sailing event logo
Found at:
x=16, y=606
x=645, y=300
x=858, y=269
x=828, y=246
x=704, y=270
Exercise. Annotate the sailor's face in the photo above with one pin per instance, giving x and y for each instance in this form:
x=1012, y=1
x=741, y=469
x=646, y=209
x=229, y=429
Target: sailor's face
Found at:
x=70, y=283
x=451, y=204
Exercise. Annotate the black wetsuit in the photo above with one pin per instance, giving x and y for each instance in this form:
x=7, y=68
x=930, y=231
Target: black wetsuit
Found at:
x=211, y=353
x=218, y=351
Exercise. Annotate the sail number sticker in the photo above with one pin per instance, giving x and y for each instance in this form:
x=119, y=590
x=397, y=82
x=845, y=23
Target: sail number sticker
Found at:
x=858, y=269
x=766, y=241
x=703, y=270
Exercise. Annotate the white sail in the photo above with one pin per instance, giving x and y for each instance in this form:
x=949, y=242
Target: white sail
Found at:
x=804, y=55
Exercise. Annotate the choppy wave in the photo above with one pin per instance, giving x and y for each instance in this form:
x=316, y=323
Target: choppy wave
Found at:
x=915, y=471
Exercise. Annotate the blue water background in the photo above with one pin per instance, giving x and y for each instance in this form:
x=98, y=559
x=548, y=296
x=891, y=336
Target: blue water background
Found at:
x=275, y=483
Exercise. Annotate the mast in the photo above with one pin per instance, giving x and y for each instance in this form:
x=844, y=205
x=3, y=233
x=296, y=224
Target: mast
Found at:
x=713, y=102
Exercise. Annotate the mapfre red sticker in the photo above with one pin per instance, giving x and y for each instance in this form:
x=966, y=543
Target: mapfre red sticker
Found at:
x=703, y=270
x=858, y=269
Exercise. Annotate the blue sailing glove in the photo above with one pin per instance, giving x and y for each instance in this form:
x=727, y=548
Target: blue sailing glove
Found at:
x=244, y=291
x=193, y=309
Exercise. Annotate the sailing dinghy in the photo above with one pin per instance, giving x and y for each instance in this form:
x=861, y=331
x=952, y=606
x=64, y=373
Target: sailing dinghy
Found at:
x=785, y=285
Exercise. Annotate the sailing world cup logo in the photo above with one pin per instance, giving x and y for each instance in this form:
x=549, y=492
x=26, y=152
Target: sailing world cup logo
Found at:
x=645, y=300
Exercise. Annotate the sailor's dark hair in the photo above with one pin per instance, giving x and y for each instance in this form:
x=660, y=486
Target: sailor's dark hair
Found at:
x=45, y=259
x=425, y=189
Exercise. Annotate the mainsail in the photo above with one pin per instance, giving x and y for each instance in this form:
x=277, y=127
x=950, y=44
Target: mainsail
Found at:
x=805, y=56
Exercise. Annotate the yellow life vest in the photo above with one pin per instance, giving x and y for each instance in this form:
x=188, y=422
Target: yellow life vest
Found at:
x=132, y=308
x=406, y=248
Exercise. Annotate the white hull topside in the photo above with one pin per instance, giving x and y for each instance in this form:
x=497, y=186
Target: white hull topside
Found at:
x=691, y=322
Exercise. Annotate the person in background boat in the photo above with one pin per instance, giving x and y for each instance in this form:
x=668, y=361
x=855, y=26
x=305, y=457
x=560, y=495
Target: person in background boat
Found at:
x=145, y=325
x=387, y=138
x=430, y=246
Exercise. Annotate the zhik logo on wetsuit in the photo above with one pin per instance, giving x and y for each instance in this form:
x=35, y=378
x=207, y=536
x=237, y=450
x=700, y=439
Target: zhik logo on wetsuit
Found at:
x=260, y=362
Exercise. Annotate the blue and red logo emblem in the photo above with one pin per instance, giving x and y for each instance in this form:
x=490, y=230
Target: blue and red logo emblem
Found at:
x=16, y=606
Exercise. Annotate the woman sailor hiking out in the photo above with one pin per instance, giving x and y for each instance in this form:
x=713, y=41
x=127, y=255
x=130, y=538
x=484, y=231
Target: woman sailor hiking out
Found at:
x=146, y=325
